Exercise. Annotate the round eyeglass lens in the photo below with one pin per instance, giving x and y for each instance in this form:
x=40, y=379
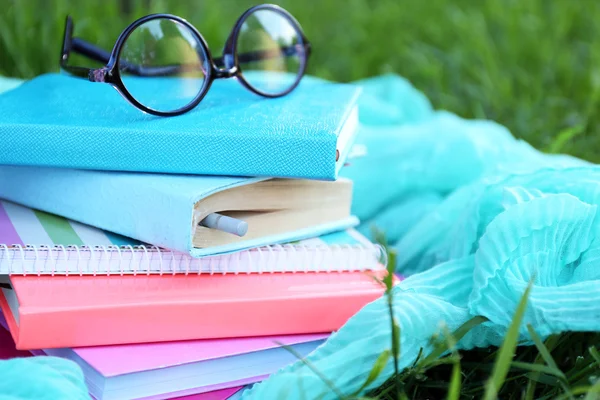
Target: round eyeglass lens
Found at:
x=163, y=65
x=270, y=52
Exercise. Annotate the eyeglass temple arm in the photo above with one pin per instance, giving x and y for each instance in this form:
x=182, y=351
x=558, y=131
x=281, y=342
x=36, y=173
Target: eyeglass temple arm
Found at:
x=89, y=50
x=80, y=46
x=96, y=53
x=74, y=44
x=258, y=55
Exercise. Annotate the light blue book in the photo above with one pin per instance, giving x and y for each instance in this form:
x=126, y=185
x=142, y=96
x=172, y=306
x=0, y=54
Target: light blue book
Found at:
x=166, y=210
x=60, y=121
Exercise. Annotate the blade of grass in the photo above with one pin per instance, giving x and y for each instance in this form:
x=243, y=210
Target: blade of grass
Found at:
x=566, y=135
x=378, y=367
x=443, y=361
x=419, y=356
x=594, y=391
x=389, y=281
x=585, y=368
x=550, y=344
x=538, y=368
x=592, y=350
x=455, y=380
x=544, y=352
x=548, y=380
x=458, y=334
x=314, y=369
x=507, y=351
x=531, y=386
x=581, y=391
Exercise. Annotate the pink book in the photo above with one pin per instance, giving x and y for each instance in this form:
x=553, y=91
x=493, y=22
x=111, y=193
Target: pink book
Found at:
x=76, y=311
x=223, y=394
x=189, y=370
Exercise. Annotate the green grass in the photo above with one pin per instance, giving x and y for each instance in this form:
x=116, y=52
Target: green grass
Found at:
x=532, y=65
x=528, y=375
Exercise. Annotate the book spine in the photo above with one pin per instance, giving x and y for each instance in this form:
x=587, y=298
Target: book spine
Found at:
x=280, y=156
x=186, y=321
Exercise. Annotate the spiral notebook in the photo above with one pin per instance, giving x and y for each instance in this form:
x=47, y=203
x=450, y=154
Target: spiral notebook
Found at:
x=39, y=243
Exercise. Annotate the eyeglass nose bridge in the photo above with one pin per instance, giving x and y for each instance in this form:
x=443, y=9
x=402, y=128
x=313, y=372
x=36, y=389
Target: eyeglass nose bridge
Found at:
x=225, y=72
x=225, y=67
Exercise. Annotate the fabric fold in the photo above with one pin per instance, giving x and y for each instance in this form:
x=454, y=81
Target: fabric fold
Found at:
x=504, y=214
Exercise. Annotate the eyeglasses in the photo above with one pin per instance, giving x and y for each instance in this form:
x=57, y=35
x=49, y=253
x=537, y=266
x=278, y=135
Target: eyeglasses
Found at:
x=162, y=65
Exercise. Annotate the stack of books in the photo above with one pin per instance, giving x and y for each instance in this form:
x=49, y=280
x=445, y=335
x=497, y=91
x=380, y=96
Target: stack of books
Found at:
x=185, y=256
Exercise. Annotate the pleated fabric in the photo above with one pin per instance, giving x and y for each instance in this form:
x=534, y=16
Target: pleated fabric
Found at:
x=474, y=215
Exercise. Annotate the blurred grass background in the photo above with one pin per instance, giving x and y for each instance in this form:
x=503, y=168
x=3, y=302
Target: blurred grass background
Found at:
x=532, y=65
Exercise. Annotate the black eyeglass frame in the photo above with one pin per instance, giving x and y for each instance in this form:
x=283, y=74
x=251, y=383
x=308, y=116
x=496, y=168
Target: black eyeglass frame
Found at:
x=111, y=73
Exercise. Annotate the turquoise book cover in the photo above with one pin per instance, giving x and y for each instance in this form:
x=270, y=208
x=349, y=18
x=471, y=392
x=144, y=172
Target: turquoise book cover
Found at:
x=59, y=121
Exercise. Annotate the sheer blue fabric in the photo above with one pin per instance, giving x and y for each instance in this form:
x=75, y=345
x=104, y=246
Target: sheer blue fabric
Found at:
x=42, y=378
x=473, y=213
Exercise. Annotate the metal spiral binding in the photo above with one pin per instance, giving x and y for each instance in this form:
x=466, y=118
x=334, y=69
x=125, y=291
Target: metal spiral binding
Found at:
x=135, y=260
